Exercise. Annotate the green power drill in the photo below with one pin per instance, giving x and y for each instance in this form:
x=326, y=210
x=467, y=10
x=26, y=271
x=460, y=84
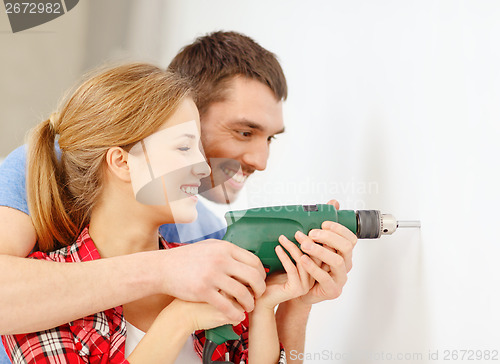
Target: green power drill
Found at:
x=257, y=230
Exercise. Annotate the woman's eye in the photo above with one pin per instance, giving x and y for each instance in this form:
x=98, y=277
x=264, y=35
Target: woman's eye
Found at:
x=184, y=149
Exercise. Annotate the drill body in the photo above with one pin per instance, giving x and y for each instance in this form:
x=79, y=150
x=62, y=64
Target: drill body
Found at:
x=257, y=230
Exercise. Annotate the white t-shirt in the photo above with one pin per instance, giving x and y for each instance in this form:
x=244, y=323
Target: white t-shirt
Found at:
x=187, y=354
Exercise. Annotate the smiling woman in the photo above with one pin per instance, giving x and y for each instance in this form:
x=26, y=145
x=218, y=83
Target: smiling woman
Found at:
x=91, y=199
x=117, y=107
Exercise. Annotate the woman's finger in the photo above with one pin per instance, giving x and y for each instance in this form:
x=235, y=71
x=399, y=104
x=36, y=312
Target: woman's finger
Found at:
x=290, y=269
x=331, y=289
x=296, y=254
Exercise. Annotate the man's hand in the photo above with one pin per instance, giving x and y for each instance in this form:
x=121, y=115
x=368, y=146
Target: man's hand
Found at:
x=214, y=271
x=330, y=250
x=330, y=258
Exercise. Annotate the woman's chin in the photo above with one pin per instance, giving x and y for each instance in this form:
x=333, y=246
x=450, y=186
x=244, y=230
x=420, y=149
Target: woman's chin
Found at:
x=184, y=211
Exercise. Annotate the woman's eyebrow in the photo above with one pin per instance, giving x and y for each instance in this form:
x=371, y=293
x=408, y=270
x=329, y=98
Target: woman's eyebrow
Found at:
x=186, y=135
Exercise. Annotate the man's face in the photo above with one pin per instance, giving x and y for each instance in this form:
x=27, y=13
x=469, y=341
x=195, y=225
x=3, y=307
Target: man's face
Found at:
x=237, y=132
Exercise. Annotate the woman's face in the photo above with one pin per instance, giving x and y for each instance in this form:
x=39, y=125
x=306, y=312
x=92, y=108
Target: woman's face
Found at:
x=167, y=166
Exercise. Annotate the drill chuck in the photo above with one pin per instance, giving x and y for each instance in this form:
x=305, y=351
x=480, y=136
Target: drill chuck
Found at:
x=372, y=224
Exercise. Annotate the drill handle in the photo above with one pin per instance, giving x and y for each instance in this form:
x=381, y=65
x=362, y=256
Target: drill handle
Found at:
x=215, y=337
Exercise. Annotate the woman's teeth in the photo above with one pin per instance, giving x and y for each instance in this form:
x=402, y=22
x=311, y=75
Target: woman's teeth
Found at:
x=190, y=190
x=237, y=177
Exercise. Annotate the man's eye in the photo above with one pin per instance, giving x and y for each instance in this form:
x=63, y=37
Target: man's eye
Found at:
x=245, y=134
x=271, y=138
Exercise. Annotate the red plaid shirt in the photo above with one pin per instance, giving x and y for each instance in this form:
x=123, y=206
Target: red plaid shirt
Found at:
x=100, y=338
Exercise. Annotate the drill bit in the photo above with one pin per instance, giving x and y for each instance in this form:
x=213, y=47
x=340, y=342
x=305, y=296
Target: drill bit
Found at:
x=409, y=224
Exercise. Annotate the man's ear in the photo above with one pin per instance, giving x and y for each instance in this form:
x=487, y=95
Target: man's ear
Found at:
x=116, y=160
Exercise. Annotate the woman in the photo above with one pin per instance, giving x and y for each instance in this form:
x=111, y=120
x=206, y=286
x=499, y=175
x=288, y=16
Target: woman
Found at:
x=130, y=162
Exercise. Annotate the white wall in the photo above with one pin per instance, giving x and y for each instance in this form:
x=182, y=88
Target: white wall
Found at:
x=394, y=105
x=36, y=68
x=39, y=65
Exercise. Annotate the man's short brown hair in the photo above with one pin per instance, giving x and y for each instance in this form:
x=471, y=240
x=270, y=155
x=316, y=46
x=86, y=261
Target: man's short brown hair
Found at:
x=213, y=60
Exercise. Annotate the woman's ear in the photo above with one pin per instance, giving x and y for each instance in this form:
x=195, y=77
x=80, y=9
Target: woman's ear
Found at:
x=116, y=160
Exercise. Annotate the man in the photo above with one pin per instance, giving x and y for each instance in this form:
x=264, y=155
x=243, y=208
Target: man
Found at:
x=240, y=88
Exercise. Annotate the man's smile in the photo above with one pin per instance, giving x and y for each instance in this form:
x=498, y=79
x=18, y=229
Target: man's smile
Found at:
x=237, y=178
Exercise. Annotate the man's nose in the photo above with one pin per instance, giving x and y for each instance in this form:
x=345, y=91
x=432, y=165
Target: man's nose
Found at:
x=256, y=156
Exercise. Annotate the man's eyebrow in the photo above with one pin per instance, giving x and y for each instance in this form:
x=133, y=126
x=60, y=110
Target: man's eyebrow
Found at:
x=253, y=125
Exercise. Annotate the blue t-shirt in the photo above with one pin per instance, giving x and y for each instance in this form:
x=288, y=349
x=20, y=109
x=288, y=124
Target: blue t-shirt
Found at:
x=13, y=180
x=13, y=194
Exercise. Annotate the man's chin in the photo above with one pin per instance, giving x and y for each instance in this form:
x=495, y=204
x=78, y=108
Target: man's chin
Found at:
x=221, y=195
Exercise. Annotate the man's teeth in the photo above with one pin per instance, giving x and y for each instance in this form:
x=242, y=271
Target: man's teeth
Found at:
x=190, y=190
x=237, y=177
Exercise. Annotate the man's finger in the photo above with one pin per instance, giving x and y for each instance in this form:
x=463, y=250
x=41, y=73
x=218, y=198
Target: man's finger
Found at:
x=235, y=289
x=248, y=258
x=331, y=239
x=335, y=243
x=334, y=203
x=338, y=266
x=341, y=230
x=247, y=275
x=232, y=310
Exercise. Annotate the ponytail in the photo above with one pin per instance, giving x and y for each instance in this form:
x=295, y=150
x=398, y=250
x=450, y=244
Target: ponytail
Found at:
x=115, y=107
x=45, y=189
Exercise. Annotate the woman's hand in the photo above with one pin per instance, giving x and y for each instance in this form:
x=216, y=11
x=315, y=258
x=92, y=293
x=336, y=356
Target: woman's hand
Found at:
x=171, y=328
x=328, y=260
x=202, y=316
x=294, y=283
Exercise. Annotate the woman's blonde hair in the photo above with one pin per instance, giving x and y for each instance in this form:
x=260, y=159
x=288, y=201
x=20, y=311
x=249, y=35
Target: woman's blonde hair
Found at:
x=117, y=107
